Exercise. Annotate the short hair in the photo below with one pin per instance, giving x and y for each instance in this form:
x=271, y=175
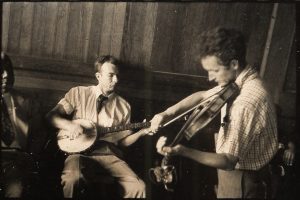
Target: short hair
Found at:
x=225, y=44
x=6, y=65
x=103, y=59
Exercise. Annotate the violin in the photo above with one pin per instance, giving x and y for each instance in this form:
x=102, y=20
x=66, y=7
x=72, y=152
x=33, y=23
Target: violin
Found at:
x=201, y=116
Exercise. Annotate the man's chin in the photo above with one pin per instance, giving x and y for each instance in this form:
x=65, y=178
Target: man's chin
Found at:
x=109, y=91
x=222, y=84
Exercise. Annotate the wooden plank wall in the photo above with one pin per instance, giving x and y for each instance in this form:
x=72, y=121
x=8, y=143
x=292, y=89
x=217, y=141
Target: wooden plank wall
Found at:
x=64, y=38
x=189, y=20
x=159, y=36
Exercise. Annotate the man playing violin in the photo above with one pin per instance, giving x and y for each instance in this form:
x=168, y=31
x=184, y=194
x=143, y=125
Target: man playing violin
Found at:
x=247, y=139
x=88, y=103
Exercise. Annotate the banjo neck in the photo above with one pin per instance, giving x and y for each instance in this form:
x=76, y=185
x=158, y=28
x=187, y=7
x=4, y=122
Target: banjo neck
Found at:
x=104, y=130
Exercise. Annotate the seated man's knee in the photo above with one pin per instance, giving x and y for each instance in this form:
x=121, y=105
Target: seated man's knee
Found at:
x=141, y=187
x=136, y=189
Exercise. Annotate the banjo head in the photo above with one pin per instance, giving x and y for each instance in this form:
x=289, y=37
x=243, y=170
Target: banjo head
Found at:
x=79, y=144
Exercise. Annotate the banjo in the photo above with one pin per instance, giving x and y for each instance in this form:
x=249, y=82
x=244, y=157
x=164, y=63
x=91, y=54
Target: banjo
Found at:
x=85, y=141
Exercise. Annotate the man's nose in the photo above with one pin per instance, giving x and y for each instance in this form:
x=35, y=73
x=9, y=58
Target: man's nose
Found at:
x=115, y=78
x=211, y=77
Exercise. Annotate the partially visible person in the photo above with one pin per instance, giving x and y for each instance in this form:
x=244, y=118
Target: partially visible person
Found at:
x=247, y=139
x=22, y=134
x=283, y=170
x=283, y=165
x=103, y=108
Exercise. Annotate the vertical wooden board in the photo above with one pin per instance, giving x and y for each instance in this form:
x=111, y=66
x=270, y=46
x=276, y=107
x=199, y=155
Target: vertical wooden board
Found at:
x=290, y=84
x=194, y=21
x=179, y=51
x=197, y=18
x=231, y=14
x=106, y=30
x=280, y=49
x=184, y=44
x=50, y=28
x=38, y=32
x=165, y=32
x=257, y=29
x=149, y=30
x=287, y=104
x=95, y=33
x=61, y=29
x=118, y=28
x=26, y=28
x=16, y=10
x=5, y=24
x=74, y=35
x=133, y=34
x=86, y=28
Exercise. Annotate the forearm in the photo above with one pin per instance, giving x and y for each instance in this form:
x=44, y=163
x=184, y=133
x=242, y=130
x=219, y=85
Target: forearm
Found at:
x=57, y=121
x=219, y=161
x=184, y=105
x=129, y=140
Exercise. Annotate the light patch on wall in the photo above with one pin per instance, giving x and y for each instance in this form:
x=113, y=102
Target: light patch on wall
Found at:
x=37, y=83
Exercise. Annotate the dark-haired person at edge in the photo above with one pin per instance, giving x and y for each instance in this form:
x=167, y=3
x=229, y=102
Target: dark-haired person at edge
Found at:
x=247, y=138
x=283, y=165
x=81, y=102
x=22, y=135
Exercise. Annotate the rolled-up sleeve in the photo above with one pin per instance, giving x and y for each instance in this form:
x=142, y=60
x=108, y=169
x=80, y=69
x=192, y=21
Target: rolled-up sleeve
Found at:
x=69, y=100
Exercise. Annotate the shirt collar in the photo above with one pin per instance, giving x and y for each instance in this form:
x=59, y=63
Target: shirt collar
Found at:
x=98, y=92
x=247, y=74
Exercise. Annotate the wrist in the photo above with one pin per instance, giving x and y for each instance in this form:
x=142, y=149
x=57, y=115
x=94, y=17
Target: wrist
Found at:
x=164, y=116
x=182, y=150
x=69, y=125
x=143, y=133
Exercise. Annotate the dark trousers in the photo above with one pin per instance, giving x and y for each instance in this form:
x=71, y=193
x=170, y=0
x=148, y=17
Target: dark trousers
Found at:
x=16, y=168
x=243, y=183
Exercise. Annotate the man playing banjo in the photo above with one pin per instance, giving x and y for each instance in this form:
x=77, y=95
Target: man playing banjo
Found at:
x=101, y=107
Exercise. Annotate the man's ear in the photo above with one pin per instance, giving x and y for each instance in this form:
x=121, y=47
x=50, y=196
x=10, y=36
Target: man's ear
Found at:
x=97, y=74
x=234, y=64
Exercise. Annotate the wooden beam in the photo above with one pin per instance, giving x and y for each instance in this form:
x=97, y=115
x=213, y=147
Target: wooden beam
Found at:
x=268, y=41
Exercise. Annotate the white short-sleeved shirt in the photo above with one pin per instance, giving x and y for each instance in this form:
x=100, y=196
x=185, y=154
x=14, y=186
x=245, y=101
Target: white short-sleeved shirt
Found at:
x=81, y=101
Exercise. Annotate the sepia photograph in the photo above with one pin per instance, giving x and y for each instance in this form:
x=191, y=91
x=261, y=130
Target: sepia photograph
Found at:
x=153, y=100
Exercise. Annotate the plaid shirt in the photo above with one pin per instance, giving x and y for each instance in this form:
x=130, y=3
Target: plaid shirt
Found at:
x=250, y=131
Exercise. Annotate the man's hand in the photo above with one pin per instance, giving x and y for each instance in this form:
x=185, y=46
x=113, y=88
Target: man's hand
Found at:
x=78, y=127
x=289, y=154
x=74, y=130
x=165, y=150
x=146, y=131
x=156, y=122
